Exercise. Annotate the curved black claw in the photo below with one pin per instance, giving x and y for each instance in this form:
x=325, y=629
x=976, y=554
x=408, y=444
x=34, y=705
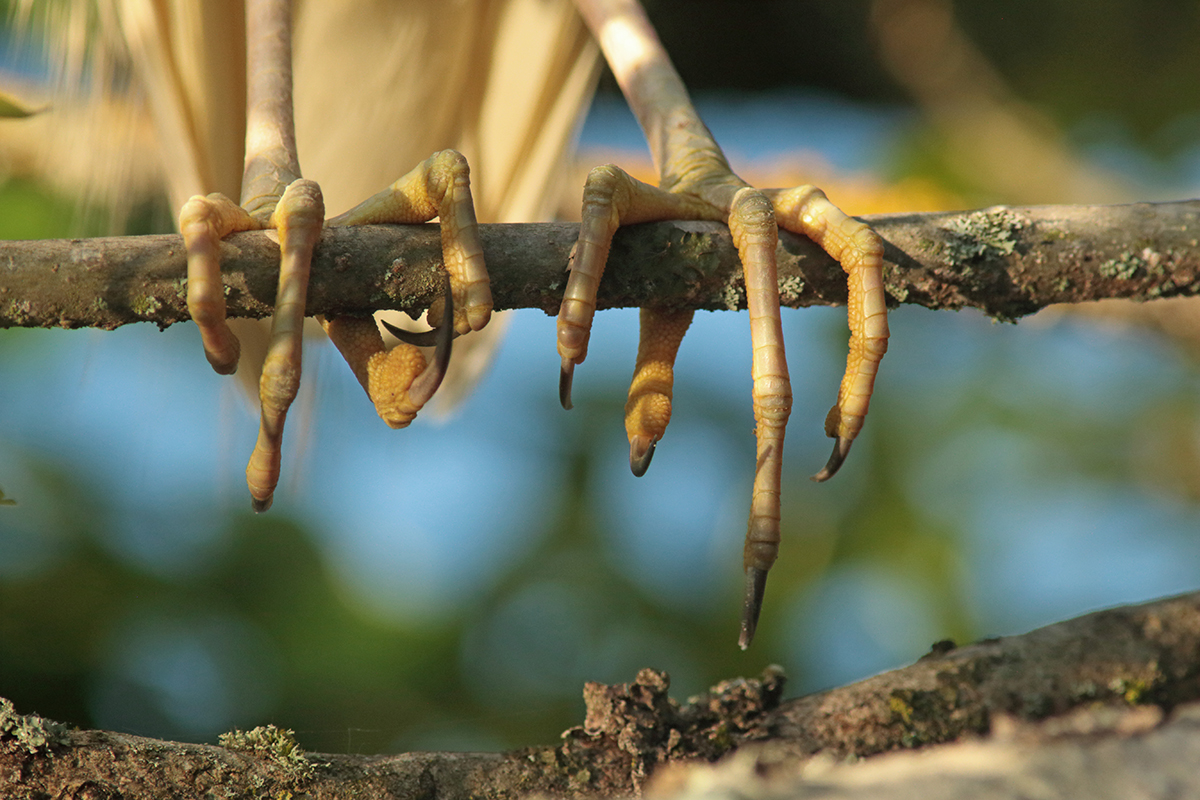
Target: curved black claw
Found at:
x=841, y=448
x=427, y=338
x=641, y=451
x=564, y=384
x=260, y=506
x=756, y=584
x=427, y=382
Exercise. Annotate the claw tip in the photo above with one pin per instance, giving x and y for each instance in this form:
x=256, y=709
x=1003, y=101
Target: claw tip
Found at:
x=564, y=384
x=641, y=450
x=260, y=505
x=756, y=584
x=841, y=448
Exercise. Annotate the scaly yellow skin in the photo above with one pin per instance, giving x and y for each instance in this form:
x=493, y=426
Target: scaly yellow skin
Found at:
x=859, y=250
x=386, y=375
x=440, y=186
x=648, y=410
x=697, y=183
x=275, y=196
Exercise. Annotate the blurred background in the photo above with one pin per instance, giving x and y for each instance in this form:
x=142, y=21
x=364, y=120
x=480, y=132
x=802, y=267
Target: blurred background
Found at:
x=451, y=586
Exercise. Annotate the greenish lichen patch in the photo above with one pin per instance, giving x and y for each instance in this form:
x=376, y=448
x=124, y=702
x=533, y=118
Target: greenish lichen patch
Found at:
x=938, y=715
x=276, y=744
x=981, y=236
x=1132, y=691
x=30, y=732
x=1124, y=267
x=145, y=305
x=19, y=311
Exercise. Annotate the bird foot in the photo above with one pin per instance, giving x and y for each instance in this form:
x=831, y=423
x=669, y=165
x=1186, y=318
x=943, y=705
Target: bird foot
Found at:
x=613, y=198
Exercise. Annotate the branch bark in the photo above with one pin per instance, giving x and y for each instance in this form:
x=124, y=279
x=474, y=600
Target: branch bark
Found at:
x=1006, y=261
x=1106, y=701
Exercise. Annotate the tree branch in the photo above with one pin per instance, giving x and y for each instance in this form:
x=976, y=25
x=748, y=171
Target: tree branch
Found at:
x=1006, y=261
x=1124, y=672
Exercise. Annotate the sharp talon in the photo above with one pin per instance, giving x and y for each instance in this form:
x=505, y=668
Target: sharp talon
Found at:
x=427, y=382
x=756, y=584
x=564, y=384
x=260, y=506
x=640, y=453
x=841, y=448
x=427, y=338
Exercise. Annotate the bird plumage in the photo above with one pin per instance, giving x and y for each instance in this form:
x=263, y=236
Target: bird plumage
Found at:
x=378, y=87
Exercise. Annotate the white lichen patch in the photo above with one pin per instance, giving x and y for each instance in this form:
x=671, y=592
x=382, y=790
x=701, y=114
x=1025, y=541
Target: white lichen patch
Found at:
x=790, y=289
x=734, y=294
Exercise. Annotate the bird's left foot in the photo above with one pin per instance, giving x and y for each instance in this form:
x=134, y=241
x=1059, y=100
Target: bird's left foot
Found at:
x=697, y=183
x=613, y=198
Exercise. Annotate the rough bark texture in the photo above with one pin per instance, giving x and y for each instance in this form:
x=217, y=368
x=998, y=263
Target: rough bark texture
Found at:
x=1100, y=706
x=1007, y=261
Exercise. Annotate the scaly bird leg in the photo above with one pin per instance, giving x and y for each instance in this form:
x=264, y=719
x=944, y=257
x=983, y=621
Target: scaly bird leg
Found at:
x=696, y=182
x=273, y=195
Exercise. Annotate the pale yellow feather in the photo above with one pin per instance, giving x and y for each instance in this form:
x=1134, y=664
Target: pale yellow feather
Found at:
x=379, y=86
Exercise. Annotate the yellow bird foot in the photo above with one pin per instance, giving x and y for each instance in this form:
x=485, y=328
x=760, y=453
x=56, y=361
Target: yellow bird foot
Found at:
x=399, y=382
x=298, y=217
x=274, y=195
x=613, y=198
x=696, y=182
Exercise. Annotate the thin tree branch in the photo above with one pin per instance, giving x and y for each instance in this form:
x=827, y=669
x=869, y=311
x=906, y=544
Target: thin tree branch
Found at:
x=1116, y=673
x=1006, y=261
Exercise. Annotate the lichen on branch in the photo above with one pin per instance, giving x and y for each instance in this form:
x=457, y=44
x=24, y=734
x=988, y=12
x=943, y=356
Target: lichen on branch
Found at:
x=1007, y=261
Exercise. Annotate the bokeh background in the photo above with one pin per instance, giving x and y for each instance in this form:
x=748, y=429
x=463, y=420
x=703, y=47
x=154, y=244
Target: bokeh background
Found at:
x=451, y=586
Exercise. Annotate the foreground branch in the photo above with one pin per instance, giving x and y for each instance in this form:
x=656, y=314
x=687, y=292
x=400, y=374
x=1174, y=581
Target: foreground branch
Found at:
x=1006, y=261
x=1059, y=707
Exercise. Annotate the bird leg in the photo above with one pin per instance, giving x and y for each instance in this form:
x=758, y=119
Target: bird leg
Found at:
x=275, y=196
x=696, y=182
